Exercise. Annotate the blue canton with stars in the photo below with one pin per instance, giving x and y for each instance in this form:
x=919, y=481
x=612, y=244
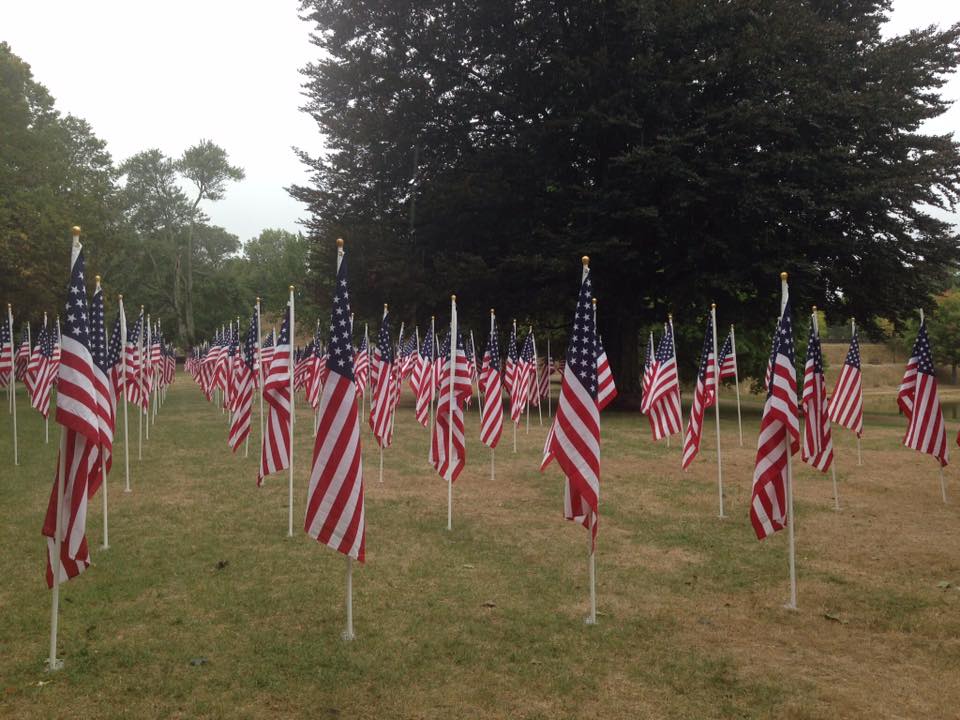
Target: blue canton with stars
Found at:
x=77, y=318
x=665, y=348
x=133, y=337
x=782, y=344
x=114, y=349
x=853, y=356
x=284, y=338
x=726, y=350
x=582, y=348
x=250, y=342
x=706, y=351
x=340, y=347
x=98, y=332
x=5, y=334
x=493, y=348
x=921, y=351
x=426, y=348
x=383, y=340
x=814, y=351
x=512, y=353
x=526, y=354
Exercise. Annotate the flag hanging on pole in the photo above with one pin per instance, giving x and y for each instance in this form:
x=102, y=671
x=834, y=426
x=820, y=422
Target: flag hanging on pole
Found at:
x=491, y=424
x=703, y=397
x=361, y=366
x=661, y=402
x=240, y=420
x=78, y=416
x=42, y=372
x=6, y=349
x=423, y=379
x=846, y=403
x=335, y=514
x=275, y=452
x=728, y=359
x=381, y=410
x=817, y=449
x=102, y=386
x=919, y=399
x=450, y=411
x=606, y=388
x=779, y=427
x=23, y=353
x=134, y=388
x=574, y=437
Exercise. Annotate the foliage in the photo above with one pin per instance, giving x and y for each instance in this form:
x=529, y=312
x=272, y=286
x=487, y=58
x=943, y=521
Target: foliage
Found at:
x=944, y=329
x=692, y=149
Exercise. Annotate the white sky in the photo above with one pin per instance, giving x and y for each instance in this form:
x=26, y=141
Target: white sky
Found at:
x=166, y=75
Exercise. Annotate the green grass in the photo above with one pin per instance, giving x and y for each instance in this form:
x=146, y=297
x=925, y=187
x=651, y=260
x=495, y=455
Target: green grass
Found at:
x=487, y=620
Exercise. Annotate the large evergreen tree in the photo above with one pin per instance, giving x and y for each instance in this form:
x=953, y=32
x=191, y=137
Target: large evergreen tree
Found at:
x=694, y=148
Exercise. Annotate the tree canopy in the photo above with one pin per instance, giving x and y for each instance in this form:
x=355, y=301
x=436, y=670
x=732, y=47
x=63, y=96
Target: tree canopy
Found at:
x=693, y=149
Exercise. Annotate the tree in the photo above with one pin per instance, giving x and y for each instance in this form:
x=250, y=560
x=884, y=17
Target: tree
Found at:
x=944, y=329
x=206, y=166
x=692, y=149
x=277, y=259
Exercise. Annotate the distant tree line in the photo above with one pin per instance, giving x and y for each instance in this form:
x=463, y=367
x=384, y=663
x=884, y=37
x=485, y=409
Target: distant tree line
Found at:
x=144, y=229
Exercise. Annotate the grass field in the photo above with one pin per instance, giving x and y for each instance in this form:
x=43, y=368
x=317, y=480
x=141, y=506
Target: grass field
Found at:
x=487, y=621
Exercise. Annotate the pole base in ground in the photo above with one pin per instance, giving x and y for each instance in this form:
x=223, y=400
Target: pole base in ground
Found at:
x=53, y=665
x=126, y=490
x=590, y=620
x=790, y=606
x=348, y=636
x=104, y=547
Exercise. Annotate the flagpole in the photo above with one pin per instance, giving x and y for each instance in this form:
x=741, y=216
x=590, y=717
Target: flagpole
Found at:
x=140, y=339
x=833, y=464
x=433, y=360
x=53, y=663
x=123, y=394
x=453, y=374
x=399, y=365
x=592, y=617
x=290, y=366
x=144, y=365
x=536, y=367
x=13, y=385
x=673, y=343
x=736, y=380
x=486, y=399
x=260, y=370
x=547, y=369
x=716, y=402
x=853, y=334
x=103, y=468
x=363, y=390
x=792, y=605
x=388, y=399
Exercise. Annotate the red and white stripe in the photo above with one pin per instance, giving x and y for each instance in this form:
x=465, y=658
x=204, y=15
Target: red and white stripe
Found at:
x=275, y=451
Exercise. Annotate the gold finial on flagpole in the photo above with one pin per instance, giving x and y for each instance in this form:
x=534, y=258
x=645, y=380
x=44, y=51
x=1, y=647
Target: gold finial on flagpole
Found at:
x=713, y=306
x=453, y=298
x=585, y=260
x=76, y=231
x=291, y=288
x=594, y=302
x=141, y=308
x=669, y=317
x=783, y=276
x=340, y=243
x=120, y=296
x=491, y=311
x=814, y=309
x=386, y=308
x=97, y=278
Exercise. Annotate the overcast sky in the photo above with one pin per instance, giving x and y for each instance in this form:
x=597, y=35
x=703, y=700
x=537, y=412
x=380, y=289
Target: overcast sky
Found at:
x=168, y=74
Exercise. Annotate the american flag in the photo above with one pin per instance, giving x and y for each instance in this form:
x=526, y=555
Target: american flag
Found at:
x=607, y=389
x=335, y=514
x=846, y=403
x=574, y=438
x=513, y=362
x=77, y=413
x=423, y=379
x=115, y=355
x=361, y=366
x=408, y=356
x=23, y=353
x=450, y=411
x=522, y=377
x=381, y=405
x=817, y=441
x=102, y=387
x=728, y=359
x=134, y=387
x=648, y=364
x=491, y=423
x=920, y=402
x=705, y=396
x=42, y=372
x=6, y=349
x=318, y=373
x=266, y=351
x=779, y=425
x=240, y=418
x=661, y=402
x=275, y=451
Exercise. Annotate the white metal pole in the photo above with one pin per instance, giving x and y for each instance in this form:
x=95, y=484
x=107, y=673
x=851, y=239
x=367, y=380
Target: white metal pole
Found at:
x=487, y=399
x=452, y=400
x=536, y=366
x=943, y=486
x=548, y=369
x=673, y=342
x=123, y=394
x=363, y=390
x=512, y=393
x=736, y=380
x=348, y=632
x=146, y=371
x=853, y=334
x=592, y=617
x=260, y=371
x=432, y=371
x=52, y=662
x=716, y=402
x=477, y=364
x=792, y=605
x=833, y=464
x=13, y=386
x=290, y=368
